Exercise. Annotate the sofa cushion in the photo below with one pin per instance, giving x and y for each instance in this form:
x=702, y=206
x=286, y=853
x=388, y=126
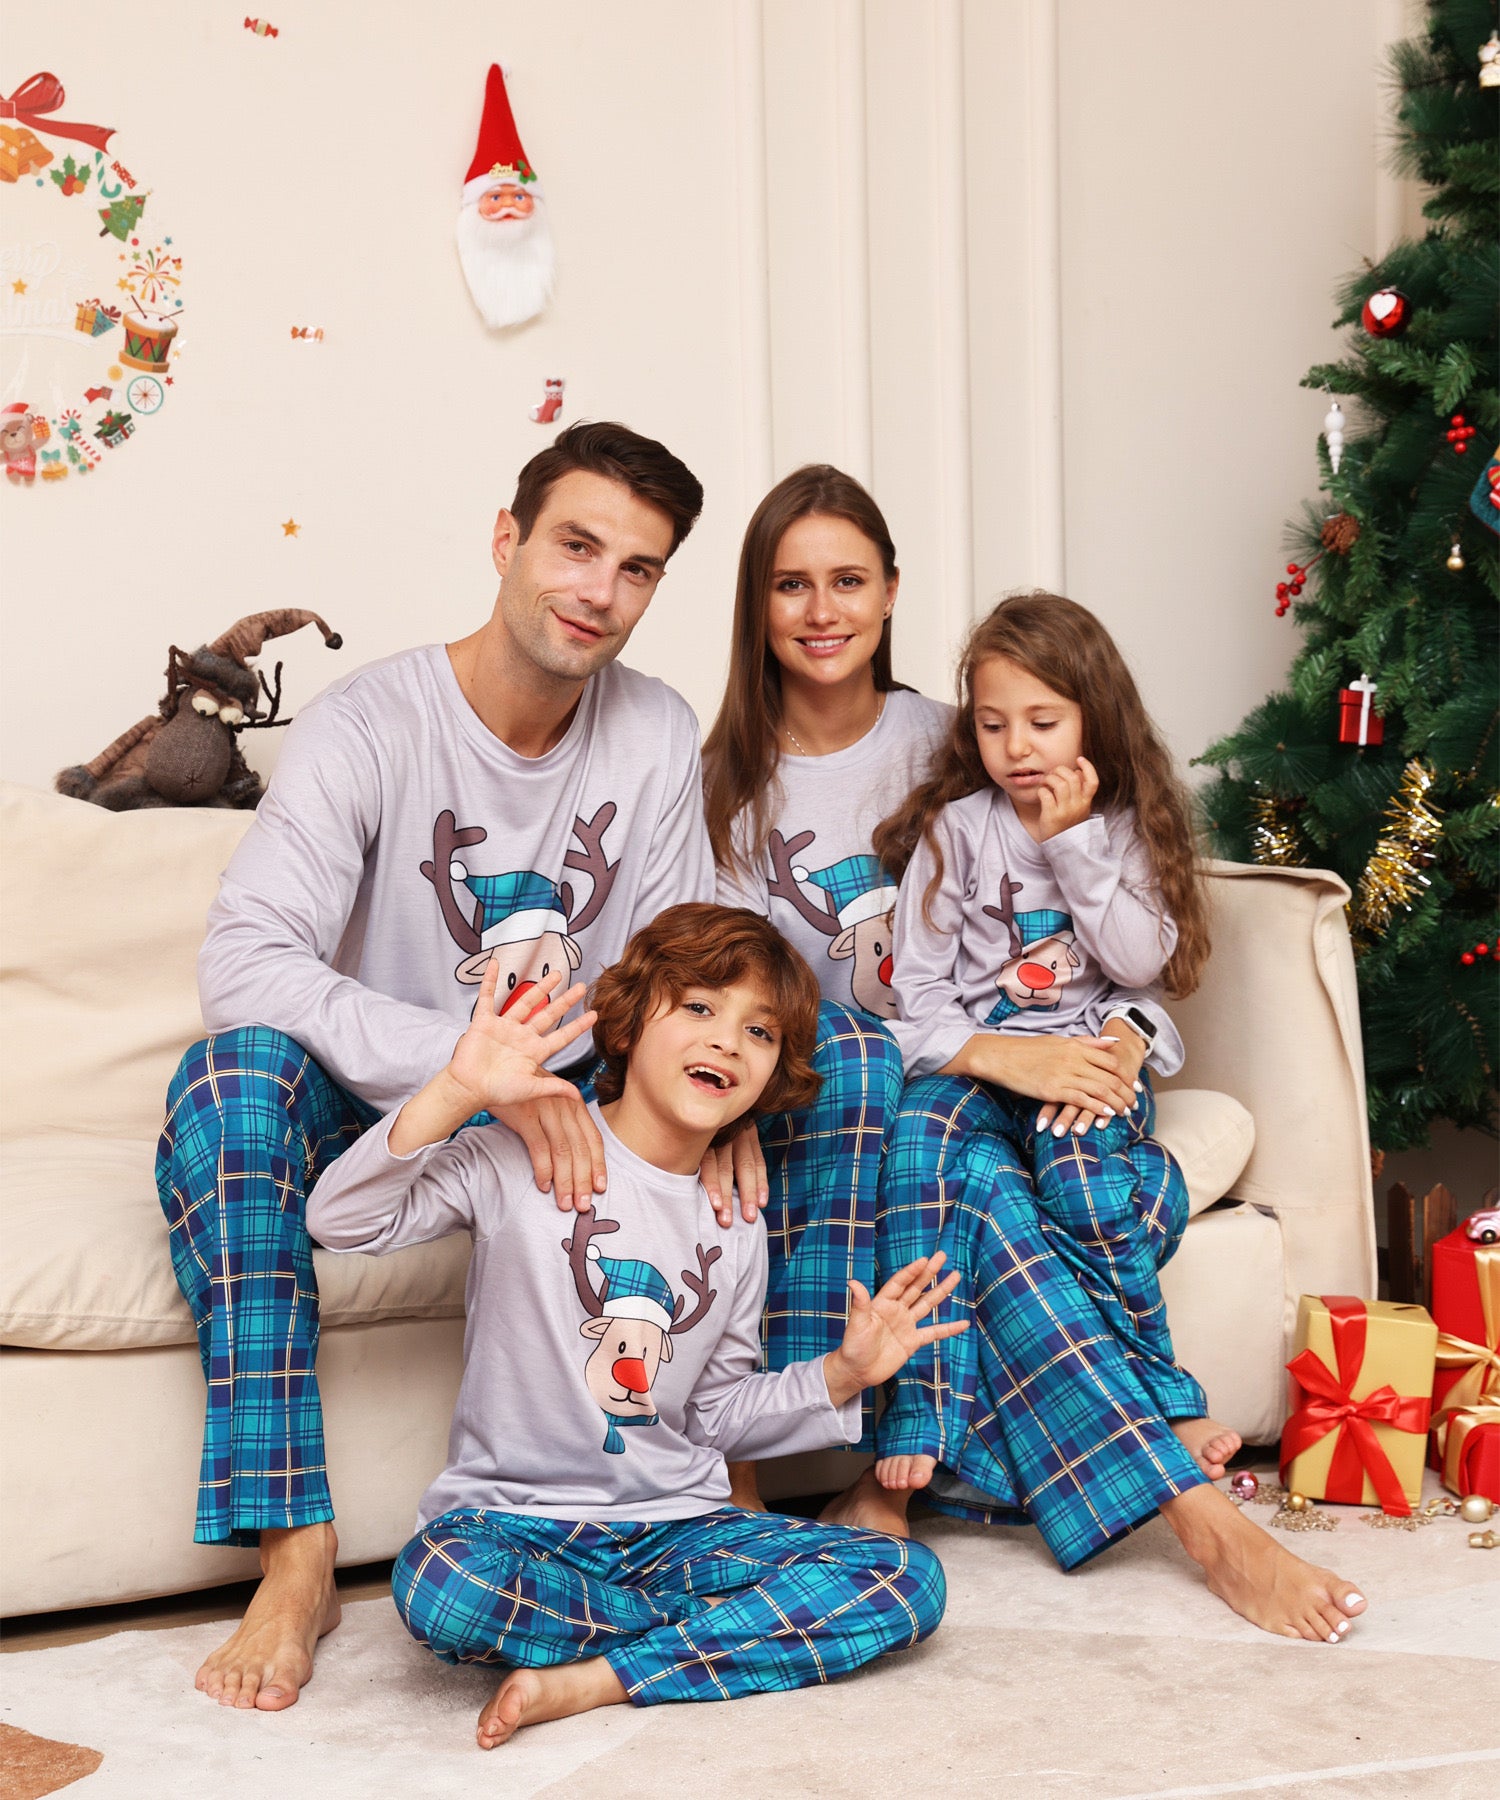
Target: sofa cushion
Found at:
x=87, y=1267
x=1211, y=1135
x=104, y=913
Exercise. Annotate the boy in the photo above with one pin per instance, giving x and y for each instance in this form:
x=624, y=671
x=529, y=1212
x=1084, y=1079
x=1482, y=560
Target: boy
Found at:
x=580, y=1532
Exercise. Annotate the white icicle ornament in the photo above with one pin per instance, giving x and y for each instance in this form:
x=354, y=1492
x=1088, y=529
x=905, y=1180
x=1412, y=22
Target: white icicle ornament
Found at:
x=1333, y=435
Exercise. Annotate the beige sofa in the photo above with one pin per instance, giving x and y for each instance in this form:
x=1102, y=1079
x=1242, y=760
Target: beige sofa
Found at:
x=100, y=1382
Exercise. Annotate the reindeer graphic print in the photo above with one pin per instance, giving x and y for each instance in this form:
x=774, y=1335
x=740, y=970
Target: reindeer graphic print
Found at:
x=633, y=1316
x=1042, y=960
x=852, y=910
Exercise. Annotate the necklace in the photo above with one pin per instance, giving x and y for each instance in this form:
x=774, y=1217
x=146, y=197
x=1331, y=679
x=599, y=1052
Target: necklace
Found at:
x=879, y=709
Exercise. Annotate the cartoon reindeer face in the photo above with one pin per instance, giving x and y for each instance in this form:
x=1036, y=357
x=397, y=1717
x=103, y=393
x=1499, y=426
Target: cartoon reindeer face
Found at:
x=633, y=1317
x=869, y=943
x=1037, y=976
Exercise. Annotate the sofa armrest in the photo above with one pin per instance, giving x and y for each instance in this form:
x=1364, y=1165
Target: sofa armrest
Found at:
x=1275, y=1023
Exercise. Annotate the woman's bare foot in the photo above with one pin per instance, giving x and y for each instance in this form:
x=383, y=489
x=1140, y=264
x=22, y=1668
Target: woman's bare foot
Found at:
x=744, y=1487
x=1254, y=1575
x=1209, y=1443
x=532, y=1696
x=872, y=1506
x=269, y=1658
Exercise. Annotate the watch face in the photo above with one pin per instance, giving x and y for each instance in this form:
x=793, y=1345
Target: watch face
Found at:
x=1144, y=1025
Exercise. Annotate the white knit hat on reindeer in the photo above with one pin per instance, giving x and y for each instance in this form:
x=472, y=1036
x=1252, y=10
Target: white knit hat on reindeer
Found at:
x=504, y=240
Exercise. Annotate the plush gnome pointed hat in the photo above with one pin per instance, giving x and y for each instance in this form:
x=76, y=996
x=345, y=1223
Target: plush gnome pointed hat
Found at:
x=504, y=240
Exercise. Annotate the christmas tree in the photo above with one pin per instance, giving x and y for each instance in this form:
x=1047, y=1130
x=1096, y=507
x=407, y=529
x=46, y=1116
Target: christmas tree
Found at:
x=1393, y=580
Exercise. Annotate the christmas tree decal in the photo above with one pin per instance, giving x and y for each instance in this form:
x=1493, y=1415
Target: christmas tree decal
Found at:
x=122, y=216
x=1381, y=759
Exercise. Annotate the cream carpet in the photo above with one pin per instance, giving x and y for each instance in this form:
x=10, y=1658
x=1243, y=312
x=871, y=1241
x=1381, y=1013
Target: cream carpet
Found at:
x=1126, y=1680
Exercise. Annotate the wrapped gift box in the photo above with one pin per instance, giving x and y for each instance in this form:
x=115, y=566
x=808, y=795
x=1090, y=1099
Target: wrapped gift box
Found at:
x=1362, y=1380
x=1466, y=1387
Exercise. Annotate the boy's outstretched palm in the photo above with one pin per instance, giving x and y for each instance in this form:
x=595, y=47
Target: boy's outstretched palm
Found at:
x=884, y=1329
x=498, y=1060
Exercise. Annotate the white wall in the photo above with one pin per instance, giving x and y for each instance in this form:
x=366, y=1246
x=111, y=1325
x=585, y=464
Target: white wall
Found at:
x=1045, y=274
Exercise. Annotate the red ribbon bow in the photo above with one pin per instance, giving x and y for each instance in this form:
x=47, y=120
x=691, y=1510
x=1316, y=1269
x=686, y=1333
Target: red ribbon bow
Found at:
x=1333, y=1407
x=41, y=95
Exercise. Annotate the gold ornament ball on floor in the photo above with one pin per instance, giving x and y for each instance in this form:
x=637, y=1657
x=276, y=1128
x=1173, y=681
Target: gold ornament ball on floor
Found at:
x=1296, y=1502
x=1475, y=1509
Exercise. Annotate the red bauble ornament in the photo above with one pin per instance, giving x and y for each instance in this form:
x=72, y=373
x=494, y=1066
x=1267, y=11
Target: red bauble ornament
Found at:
x=1386, y=313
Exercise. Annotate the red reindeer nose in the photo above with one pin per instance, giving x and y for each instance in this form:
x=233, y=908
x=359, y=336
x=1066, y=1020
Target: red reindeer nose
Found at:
x=521, y=987
x=1034, y=976
x=630, y=1372
x=886, y=966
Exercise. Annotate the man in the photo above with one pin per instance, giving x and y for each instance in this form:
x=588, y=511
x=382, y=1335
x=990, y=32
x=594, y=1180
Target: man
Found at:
x=516, y=795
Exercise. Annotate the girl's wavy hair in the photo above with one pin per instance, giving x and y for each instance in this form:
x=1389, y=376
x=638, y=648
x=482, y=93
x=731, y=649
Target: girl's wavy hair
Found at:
x=1065, y=647
x=740, y=753
x=698, y=945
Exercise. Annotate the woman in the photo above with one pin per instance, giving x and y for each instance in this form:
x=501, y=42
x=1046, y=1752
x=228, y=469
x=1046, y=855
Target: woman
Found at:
x=814, y=744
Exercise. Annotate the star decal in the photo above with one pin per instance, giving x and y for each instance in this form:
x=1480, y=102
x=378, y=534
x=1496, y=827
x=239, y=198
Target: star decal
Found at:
x=123, y=285
x=18, y=287
x=290, y=528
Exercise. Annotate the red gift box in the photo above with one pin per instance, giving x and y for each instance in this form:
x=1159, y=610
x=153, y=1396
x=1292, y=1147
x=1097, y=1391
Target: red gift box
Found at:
x=1359, y=723
x=1466, y=1388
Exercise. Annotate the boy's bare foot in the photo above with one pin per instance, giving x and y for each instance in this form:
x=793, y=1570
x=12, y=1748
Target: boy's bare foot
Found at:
x=870, y=1505
x=531, y=1696
x=269, y=1658
x=744, y=1487
x=1254, y=1575
x=1209, y=1443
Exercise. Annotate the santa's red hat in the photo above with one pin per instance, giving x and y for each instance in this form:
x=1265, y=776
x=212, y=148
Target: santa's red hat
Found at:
x=16, y=406
x=498, y=153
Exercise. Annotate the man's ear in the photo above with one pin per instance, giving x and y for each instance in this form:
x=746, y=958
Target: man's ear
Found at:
x=507, y=535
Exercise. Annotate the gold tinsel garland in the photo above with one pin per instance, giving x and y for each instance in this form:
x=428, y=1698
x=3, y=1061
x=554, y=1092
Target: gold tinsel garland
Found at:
x=1393, y=876
x=1275, y=838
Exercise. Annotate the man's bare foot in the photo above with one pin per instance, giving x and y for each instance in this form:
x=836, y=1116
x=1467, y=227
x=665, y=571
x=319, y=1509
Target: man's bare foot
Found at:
x=1209, y=1443
x=1254, y=1575
x=532, y=1696
x=871, y=1506
x=269, y=1658
x=744, y=1487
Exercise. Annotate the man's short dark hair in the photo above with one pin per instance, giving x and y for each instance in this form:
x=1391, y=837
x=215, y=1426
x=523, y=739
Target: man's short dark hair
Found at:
x=647, y=468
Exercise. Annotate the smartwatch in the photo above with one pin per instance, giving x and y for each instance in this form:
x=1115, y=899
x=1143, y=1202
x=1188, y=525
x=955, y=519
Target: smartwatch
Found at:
x=1139, y=1022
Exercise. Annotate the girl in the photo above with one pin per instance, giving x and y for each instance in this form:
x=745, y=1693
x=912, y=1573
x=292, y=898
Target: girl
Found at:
x=814, y=744
x=1049, y=884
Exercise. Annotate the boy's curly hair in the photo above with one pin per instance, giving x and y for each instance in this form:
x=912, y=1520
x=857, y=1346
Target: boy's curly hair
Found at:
x=697, y=945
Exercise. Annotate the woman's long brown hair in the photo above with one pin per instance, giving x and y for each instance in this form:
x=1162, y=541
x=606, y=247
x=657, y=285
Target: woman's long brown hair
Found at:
x=1065, y=647
x=740, y=753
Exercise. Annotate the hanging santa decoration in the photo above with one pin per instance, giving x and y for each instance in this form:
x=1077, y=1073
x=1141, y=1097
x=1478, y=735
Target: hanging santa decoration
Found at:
x=504, y=241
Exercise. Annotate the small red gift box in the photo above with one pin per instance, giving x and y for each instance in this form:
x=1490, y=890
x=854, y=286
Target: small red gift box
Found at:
x=1466, y=1388
x=1359, y=723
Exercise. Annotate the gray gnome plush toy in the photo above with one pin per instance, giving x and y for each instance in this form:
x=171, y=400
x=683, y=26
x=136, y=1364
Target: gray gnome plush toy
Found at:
x=187, y=752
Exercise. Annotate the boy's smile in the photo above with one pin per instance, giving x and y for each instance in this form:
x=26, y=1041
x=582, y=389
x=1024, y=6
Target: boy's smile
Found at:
x=701, y=1062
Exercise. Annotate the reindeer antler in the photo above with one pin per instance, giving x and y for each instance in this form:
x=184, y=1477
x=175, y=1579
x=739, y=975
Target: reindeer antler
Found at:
x=591, y=861
x=587, y=1226
x=699, y=1285
x=783, y=883
x=446, y=838
x=1005, y=912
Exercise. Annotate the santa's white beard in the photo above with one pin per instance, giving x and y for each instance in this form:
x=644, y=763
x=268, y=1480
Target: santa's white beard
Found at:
x=507, y=263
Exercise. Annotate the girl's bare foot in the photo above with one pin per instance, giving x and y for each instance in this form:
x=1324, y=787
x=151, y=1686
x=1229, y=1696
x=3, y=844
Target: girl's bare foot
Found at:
x=532, y=1696
x=744, y=1487
x=1254, y=1575
x=268, y=1660
x=872, y=1506
x=1209, y=1443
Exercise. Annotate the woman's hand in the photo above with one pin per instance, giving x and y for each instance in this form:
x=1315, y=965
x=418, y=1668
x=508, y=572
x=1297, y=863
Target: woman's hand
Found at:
x=1131, y=1050
x=739, y=1164
x=1066, y=797
x=1069, y=1071
x=883, y=1331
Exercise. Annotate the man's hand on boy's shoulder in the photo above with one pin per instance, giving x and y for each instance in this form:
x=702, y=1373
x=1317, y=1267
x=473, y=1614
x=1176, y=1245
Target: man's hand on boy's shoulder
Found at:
x=739, y=1164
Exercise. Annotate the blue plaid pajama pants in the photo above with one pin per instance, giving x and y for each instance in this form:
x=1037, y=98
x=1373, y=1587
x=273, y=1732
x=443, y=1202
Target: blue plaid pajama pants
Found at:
x=1054, y=1405
x=251, y=1123
x=686, y=1609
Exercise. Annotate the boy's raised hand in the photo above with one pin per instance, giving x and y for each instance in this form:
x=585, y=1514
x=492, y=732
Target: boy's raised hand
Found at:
x=498, y=1060
x=1066, y=798
x=885, y=1329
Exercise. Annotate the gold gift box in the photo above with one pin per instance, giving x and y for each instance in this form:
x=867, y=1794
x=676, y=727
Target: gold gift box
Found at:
x=1400, y=1352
